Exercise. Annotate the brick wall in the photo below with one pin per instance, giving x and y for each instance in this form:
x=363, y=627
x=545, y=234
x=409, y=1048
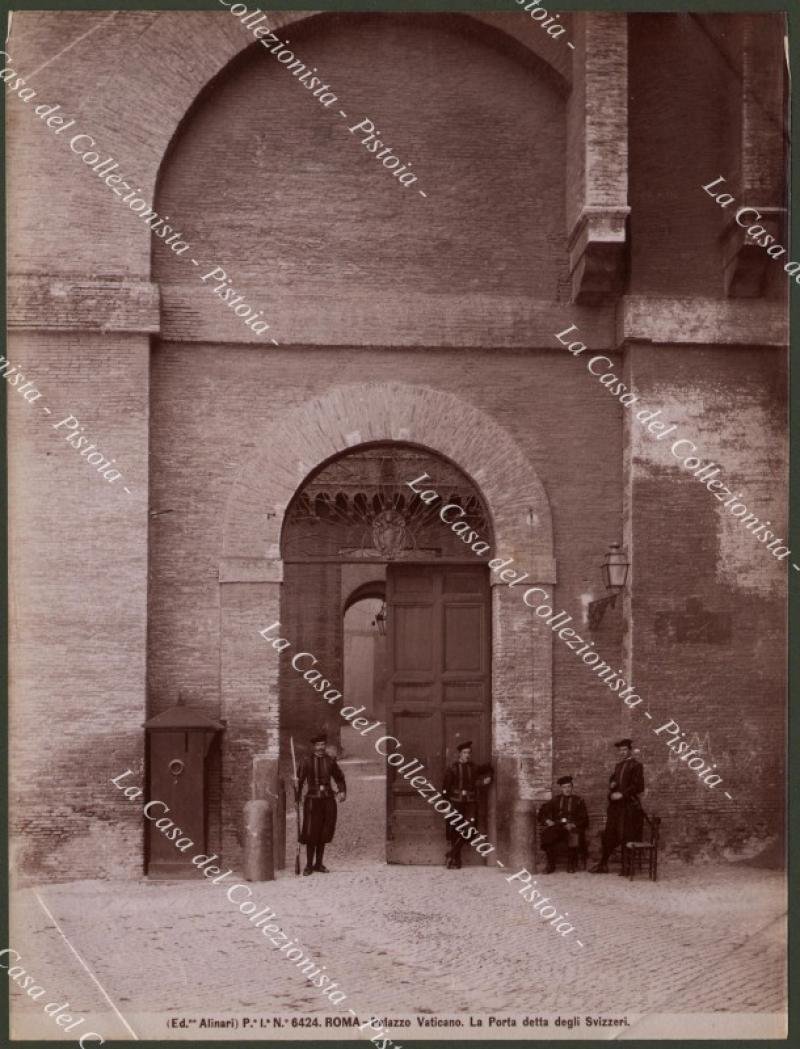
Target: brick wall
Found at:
x=78, y=571
x=726, y=690
x=276, y=190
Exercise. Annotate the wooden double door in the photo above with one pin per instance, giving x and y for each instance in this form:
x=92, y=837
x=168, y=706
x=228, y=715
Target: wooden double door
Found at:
x=439, y=693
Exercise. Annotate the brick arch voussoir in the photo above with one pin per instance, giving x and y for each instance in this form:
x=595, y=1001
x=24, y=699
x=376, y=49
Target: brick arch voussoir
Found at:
x=303, y=438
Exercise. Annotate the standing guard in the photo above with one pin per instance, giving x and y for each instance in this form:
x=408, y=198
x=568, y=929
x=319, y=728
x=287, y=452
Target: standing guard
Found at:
x=563, y=819
x=624, y=816
x=319, y=806
x=462, y=780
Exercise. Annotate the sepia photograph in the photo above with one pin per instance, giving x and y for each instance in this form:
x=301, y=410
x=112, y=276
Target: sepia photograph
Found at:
x=397, y=455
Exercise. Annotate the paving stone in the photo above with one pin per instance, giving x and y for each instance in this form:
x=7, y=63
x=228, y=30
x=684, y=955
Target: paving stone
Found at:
x=401, y=940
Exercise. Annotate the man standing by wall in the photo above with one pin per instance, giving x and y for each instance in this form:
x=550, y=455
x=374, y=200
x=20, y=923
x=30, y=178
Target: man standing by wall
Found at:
x=624, y=816
x=461, y=782
x=319, y=807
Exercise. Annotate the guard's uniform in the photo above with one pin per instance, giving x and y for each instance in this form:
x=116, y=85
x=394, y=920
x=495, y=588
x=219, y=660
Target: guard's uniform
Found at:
x=319, y=805
x=318, y=772
x=461, y=782
x=563, y=809
x=460, y=789
x=624, y=816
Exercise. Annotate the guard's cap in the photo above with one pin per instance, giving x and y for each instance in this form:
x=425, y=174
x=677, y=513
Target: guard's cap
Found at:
x=624, y=743
x=464, y=745
x=320, y=738
x=563, y=779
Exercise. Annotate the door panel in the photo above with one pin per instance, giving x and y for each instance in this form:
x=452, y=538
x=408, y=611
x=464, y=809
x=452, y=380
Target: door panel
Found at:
x=463, y=634
x=414, y=638
x=439, y=693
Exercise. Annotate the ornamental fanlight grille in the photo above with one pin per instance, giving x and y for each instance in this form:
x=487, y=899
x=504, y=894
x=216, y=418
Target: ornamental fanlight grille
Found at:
x=359, y=508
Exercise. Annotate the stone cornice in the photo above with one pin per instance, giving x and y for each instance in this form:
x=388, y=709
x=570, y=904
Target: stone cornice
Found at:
x=381, y=318
x=702, y=322
x=415, y=320
x=81, y=304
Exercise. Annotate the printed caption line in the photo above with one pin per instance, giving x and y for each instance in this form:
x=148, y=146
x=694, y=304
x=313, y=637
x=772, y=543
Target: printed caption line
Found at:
x=85, y=966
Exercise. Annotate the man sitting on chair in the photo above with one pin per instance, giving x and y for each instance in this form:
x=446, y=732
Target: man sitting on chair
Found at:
x=563, y=819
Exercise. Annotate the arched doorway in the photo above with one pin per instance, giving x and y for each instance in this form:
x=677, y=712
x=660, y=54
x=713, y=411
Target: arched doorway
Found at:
x=294, y=448
x=356, y=530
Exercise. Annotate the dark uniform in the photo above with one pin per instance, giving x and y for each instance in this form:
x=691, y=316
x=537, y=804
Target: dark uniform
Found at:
x=319, y=806
x=624, y=816
x=562, y=810
x=462, y=780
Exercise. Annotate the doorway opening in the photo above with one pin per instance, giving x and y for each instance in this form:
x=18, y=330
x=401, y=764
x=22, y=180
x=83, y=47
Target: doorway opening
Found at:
x=356, y=535
x=364, y=643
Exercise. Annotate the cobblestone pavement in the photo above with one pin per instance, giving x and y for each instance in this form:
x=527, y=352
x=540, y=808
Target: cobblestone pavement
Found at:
x=403, y=941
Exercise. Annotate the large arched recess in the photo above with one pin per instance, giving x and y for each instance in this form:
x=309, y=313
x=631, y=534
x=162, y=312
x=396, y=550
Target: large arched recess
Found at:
x=276, y=191
x=193, y=71
x=251, y=574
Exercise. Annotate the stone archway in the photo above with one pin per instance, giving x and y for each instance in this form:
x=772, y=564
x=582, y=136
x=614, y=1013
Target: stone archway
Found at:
x=251, y=575
x=303, y=438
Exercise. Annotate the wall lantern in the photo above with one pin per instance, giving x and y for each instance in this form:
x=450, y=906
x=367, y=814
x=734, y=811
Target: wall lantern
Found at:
x=380, y=620
x=615, y=574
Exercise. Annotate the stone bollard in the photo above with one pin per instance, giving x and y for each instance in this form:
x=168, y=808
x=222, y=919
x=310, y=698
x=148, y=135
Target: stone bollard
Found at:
x=268, y=786
x=258, y=864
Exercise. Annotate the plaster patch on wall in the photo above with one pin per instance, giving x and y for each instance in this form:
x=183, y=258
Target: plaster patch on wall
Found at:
x=723, y=433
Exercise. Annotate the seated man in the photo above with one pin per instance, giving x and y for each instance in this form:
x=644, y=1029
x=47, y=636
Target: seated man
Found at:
x=563, y=819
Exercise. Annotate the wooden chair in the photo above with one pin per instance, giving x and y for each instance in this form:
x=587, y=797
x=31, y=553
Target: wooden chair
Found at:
x=635, y=851
x=583, y=854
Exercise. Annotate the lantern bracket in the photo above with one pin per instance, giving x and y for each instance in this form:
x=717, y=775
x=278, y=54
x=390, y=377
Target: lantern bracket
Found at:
x=615, y=575
x=597, y=609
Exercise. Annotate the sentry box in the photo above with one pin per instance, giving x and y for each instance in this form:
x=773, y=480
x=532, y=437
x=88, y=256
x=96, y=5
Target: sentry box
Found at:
x=179, y=742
